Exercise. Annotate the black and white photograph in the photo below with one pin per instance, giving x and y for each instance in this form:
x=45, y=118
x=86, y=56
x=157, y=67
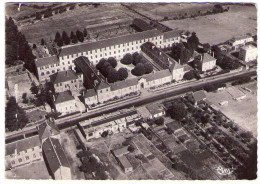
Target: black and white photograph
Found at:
x=129, y=90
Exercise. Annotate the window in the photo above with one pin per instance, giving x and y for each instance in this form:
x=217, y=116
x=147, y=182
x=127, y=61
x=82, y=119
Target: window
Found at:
x=53, y=71
x=68, y=62
x=75, y=85
x=13, y=162
x=114, y=52
x=63, y=63
x=42, y=73
x=100, y=55
x=20, y=160
x=34, y=156
x=27, y=157
x=58, y=69
x=100, y=91
x=72, y=81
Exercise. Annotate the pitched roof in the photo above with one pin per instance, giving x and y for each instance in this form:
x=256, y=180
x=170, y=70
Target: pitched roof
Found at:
x=47, y=129
x=54, y=154
x=124, y=162
x=46, y=61
x=22, y=145
x=142, y=25
x=207, y=58
x=90, y=93
x=199, y=95
x=124, y=84
x=108, y=42
x=63, y=97
x=154, y=108
x=157, y=75
x=63, y=76
x=121, y=151
x=143, y=111
x=102, y=85
x=248, y=47
x=171, y=34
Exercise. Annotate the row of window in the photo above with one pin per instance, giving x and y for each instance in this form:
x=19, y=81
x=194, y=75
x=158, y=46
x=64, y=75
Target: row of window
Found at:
x=27, y=157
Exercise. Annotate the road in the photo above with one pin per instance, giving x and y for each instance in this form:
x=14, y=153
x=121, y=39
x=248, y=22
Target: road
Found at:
x=155, y=96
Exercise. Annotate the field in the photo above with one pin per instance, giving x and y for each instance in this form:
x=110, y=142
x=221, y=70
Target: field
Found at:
x=35, y=170
x=160, y=10
x=243, y=112
x=77, y=19
x=218, y=28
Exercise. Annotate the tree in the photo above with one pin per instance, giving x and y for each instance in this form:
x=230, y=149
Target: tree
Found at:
x=85, y=33
x=60, y=43
x=104, y=134
x=177, y=111
x=15, y=117
x=38, y=16
x=189, y=75
x=206, y=47
x=80, y=36
x=112, y=76
x=57, y=37
x=131, y=148
x=148, y=67
x=112, y=61
x=137, y=59
x=42, y=41
x=65, y=38
x=100, y=63
x=159, y=121
x=138, y=70
x=127, y=59
x=193, y=42
x=122, y=74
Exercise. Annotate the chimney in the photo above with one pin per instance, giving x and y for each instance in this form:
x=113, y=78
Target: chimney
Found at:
x=179, y=61
x=160, y=53
x=213, y=54
x=53, y=97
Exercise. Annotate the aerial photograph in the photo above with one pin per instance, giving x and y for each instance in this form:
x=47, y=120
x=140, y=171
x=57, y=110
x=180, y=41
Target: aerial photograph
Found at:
x=130, y=91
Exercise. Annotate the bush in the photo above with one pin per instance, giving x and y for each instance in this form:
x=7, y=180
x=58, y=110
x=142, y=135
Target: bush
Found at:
x=139, y=70
x=148, y=67
x=130, y=148
x=189, y=75
x=112, y=75
x=112, y=61
x=127, y=59
x=159, y=121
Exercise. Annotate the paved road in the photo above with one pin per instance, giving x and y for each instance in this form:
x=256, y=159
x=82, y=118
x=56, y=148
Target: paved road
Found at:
x=155, y=96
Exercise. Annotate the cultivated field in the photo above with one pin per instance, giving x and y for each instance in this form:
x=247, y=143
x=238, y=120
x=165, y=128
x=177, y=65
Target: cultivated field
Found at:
x=243, y=112
x=158, y=11
x=77, y=19
x=218, y=28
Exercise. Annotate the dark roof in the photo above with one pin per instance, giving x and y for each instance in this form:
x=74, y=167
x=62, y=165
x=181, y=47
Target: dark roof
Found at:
x=108, y=42
x=124, y=84
x=47, y=129
x=207, y=58
x=63, y=97
x=54, y=154
x=154, y=108
x=22, y=145
x=121, y=151
x=102, y=85
x=199, y=95
x=157, y=75
x=171, y=34
x=63, y=76
x=46, y=61
x=142, y=25
x=90, y=93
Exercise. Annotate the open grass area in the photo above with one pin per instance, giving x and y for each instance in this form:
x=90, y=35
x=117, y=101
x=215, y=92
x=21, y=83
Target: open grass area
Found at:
x=218, y=28
x=243, y=112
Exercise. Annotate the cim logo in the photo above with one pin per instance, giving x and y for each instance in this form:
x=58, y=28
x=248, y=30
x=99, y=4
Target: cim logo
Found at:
x=224, y=171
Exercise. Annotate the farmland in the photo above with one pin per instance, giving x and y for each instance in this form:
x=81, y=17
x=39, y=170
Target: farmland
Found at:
x=218, y=28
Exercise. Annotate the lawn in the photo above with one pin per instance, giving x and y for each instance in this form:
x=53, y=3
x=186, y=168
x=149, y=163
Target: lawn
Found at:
x=218, y=28
x=243, y=112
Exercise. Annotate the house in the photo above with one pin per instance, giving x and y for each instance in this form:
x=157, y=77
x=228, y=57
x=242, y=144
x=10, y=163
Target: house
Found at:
x=56, y=159
x=67, y=80
x=143, y=112
x=23, y=152
x=197, y=97
x=156, y=110
x=65, y=103
x=248, y=53
x=140, y=25
x=240, y=41
x=48, y=129
x=206, y=62
x=125, y=164
x=120, y=152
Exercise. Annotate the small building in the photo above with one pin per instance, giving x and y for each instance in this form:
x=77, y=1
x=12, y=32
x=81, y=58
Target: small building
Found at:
x=206, y=62
x=240, y=41
x=67, y=80
x=125, y=164
x=248, y=53
x=120, y=152
x=65, y=103
x=156, y=110
x=23, y=152
x=56, y=159
x=48, y=129
x=143, y=111
x=140, y=25
x=197, y=97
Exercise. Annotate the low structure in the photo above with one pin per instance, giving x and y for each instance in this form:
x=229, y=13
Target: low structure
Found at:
x=125, y=164
x=65, y=103
x=55, y=159
x=248, y=53
x=156, y=110
x=197, y=97
x=67, y=81
x=120, y=152
x=22, y=152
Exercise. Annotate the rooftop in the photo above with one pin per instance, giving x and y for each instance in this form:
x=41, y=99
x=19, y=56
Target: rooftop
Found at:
x=124, y=84
x=248, y=47
x=143, y=111
x=47, y=129
x=172, y=34
x=63, y=76
x=207, y=58
x=124, y=162
x=46, y=61
x=157, y=75
x=154, y=108
x=63, y=97
x=22, y=145
x=90, y=93
x=199, y=95
x=121, y=151
x=108, y=42
x=54, y=154
x=142, y=25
